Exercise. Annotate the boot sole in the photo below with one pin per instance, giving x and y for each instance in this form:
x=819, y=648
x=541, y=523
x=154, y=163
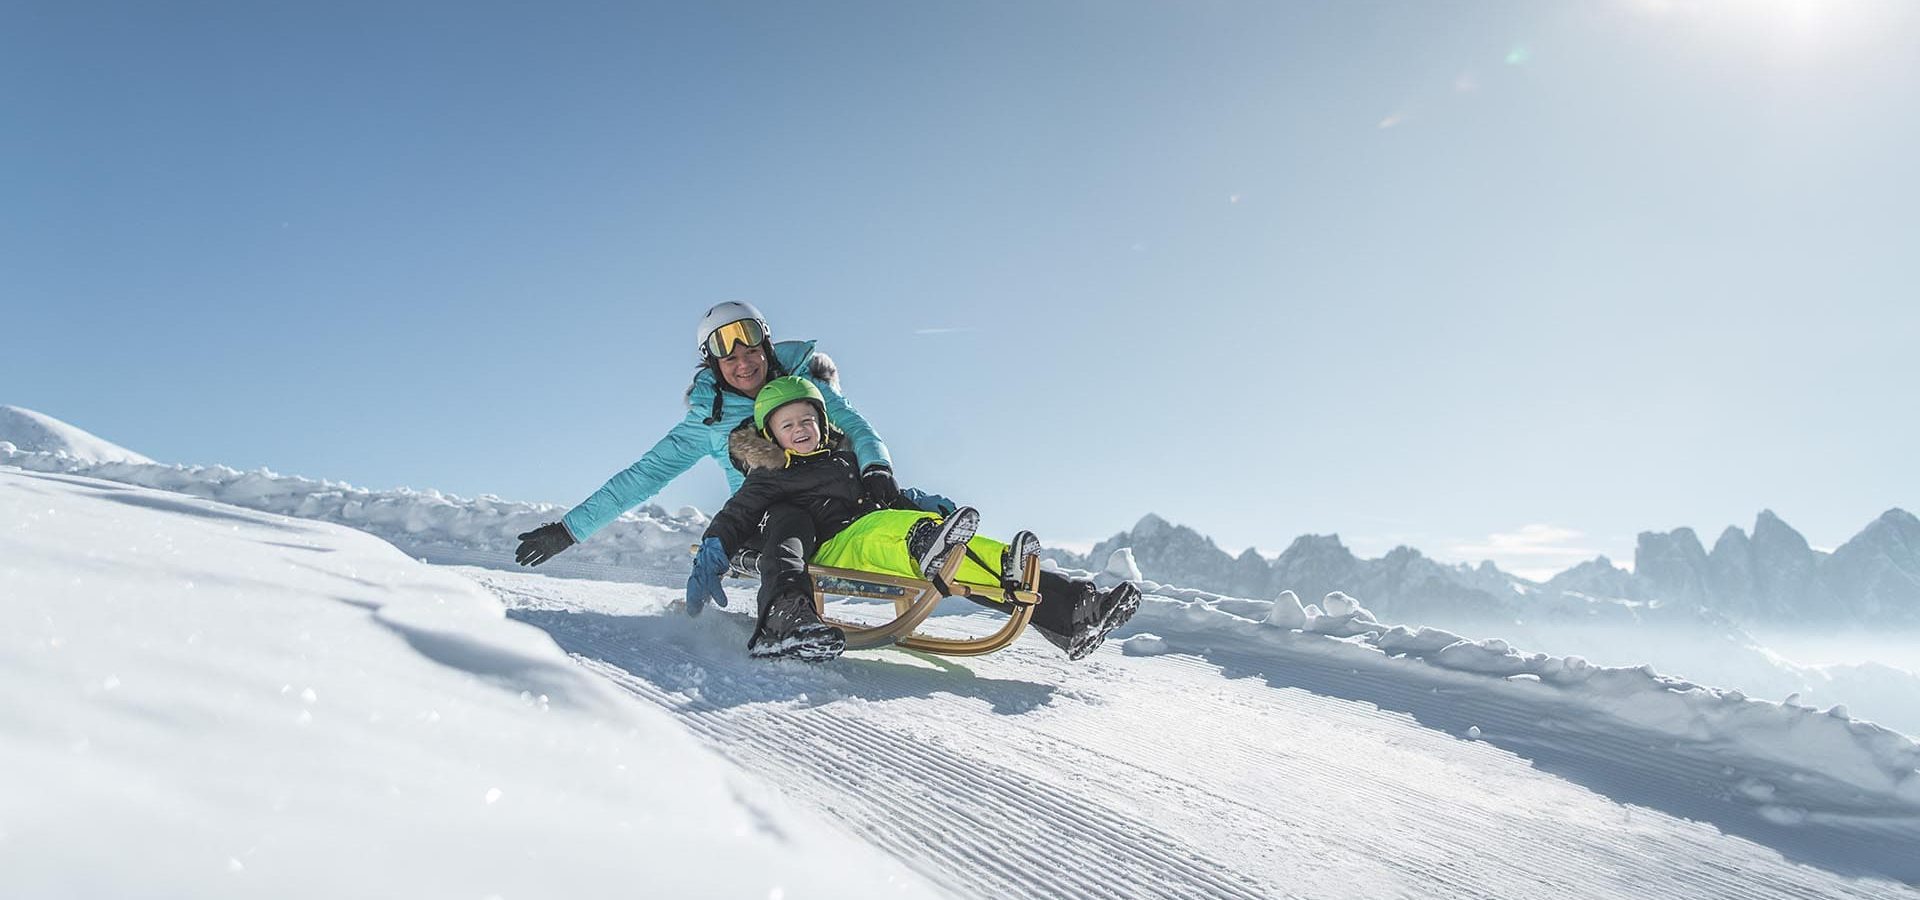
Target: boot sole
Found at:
x=955, y=531
x=1024, y=546
x=818, y=647
x=1115, y=618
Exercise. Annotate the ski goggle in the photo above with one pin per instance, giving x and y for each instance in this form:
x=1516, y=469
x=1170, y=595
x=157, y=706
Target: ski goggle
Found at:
x=733, y=334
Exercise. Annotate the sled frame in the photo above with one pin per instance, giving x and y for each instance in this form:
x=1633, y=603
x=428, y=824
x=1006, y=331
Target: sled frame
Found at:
x=913, y=601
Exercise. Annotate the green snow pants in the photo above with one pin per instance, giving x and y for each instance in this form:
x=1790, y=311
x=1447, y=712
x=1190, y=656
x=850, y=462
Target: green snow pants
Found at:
x=877, y=542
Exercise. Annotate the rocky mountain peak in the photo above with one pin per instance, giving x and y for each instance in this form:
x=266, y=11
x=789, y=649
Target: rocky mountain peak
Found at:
x=1878, y=571
x=1897, y=518
x=1151, y=525
x=1403, y=553
x=1769, y=531
x=1732, y=540
x=1308, y=546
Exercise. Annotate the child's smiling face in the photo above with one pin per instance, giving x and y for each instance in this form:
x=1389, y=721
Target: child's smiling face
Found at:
x=796, y=427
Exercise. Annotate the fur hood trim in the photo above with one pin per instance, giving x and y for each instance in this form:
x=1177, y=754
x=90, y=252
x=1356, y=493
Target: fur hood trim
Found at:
x=824, y=371
x=751, y=452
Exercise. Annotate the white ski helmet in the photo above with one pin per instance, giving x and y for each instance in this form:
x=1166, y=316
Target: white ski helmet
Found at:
x=750, y=327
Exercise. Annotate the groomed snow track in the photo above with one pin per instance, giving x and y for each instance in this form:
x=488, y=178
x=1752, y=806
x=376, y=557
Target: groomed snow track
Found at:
x=1234, y=772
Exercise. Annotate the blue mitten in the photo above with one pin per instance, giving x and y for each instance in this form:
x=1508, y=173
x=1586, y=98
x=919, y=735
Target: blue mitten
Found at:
x=929, y=502
x=704, y=584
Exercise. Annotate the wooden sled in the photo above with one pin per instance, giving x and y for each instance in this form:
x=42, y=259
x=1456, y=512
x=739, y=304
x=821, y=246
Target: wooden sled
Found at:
x=913, y=601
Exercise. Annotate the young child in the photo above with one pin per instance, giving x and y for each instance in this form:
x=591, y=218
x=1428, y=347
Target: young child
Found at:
x=802, y=499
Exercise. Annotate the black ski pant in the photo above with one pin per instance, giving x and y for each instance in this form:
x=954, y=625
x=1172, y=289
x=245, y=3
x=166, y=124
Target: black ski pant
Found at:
x=787, y=538
x=1064, y=602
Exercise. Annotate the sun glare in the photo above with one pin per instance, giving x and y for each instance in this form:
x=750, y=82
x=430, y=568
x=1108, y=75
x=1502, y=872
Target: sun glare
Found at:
x=1801, y=28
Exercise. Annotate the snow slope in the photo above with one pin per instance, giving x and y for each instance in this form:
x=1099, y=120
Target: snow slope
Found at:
x=1236, y=759
x=239, y=696
x=40, y=433
x=197, y=700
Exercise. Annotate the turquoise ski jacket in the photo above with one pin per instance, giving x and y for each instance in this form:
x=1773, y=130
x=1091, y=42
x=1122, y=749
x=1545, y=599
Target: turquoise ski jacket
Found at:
x=694, y=438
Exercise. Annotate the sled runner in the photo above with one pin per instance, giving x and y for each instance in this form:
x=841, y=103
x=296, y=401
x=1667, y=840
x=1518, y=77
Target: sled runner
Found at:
x=913, y=601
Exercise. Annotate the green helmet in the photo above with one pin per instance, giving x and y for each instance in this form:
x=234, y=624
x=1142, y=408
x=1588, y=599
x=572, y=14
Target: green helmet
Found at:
x=782, y=391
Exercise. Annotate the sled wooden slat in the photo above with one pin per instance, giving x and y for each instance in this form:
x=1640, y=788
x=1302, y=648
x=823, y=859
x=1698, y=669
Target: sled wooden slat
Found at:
x=913, y=601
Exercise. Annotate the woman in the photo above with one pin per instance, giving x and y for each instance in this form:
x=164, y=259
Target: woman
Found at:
x=738, y=357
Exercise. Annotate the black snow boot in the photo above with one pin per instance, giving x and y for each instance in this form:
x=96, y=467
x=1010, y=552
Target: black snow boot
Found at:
x=1095, y=615
x=790, y=629
x=930, y=540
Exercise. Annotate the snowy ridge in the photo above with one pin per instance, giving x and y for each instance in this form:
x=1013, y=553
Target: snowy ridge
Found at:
x=429, y=524
x=1860, y=754
x=40, y=433
x=1863, y=755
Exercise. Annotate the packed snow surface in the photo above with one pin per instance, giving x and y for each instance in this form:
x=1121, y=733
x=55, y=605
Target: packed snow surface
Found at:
x=1223, y=757
x=1319, y=753
x=36, y=432
x=198, y=700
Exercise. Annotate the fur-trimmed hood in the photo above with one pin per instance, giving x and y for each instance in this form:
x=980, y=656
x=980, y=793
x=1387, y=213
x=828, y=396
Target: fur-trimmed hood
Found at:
x=751, y=451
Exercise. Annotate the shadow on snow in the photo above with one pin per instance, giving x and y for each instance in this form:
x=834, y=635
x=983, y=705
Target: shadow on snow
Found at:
x=706, y=659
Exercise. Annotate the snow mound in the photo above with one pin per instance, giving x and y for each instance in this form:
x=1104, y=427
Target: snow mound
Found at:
x=35, y=432
x=1121, y=565
x=1287, y=612
x=205, y=701
x=439, y=527
x=1338, y=615
x=1144, y=645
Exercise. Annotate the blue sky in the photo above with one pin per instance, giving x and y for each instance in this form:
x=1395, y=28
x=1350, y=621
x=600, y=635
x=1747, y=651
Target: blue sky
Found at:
x=1514, y=280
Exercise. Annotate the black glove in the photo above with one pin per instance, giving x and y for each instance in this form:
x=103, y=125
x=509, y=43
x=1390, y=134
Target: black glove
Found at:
x=878, y=484
x=542, y=544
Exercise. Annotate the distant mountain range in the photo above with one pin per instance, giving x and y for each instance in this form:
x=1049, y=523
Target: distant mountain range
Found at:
x=1768, y=576
x=1772, y=575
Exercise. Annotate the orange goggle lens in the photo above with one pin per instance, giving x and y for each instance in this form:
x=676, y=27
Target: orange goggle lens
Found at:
x=723, y=339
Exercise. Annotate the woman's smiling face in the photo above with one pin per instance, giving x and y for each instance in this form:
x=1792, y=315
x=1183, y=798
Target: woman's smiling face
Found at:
x=745, y=368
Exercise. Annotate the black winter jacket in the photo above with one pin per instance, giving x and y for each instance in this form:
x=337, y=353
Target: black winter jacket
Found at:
x=825, y=483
